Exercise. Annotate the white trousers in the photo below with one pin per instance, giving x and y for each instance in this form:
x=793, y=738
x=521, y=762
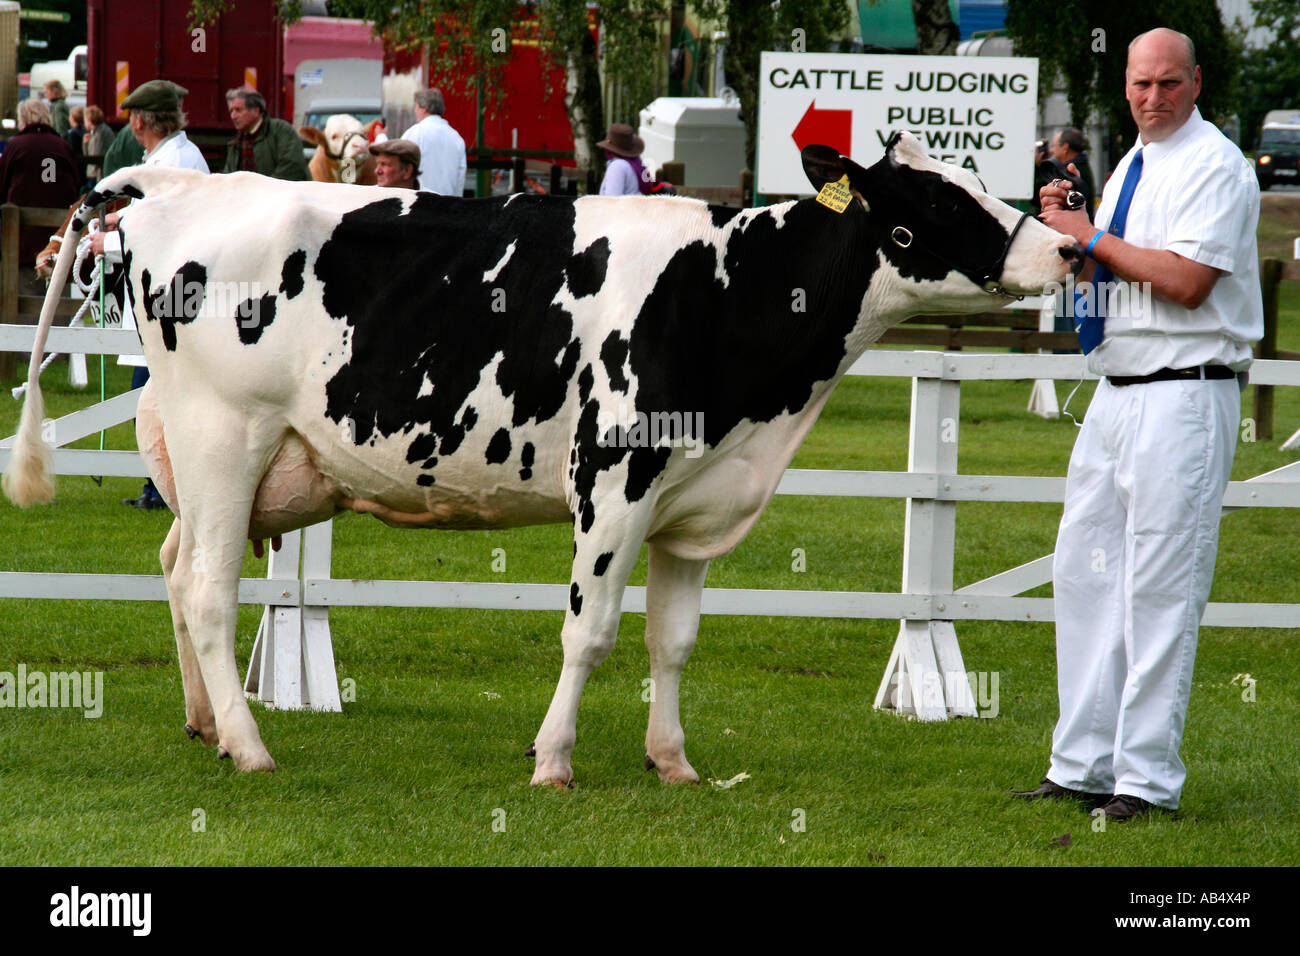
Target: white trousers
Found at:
x=1133, y=567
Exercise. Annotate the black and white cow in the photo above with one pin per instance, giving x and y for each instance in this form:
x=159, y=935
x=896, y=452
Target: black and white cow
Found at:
x=642, y=367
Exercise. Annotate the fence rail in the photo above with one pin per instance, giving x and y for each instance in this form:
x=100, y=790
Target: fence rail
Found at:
x=299, y=590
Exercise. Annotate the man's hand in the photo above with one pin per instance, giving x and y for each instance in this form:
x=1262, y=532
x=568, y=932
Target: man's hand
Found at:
x=97, y=244
x=1070, y=222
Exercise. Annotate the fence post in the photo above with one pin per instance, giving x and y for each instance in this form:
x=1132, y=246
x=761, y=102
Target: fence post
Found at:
x=1270, y=275
x=9, y=266
x=925, y=676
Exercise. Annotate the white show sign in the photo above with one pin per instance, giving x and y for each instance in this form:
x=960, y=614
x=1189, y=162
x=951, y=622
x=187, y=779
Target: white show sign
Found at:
x=975, y=112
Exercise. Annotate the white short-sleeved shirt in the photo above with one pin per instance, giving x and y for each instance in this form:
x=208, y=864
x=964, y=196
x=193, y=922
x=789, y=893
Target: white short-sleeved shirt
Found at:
x=442, y=156
x=620, y=179
x=1198, y=197
x=175, y=150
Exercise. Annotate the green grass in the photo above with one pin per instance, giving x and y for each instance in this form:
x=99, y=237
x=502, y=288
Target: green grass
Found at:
x=417, y=769
x=414, y=769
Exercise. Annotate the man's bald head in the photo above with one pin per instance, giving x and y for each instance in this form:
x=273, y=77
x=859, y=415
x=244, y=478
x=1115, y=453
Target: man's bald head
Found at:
x=1164, y=35
x=1161, y=82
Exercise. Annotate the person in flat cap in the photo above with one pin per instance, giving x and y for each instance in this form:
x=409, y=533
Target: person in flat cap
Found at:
x=625, y=174
x=158, y=123
x=397, y=163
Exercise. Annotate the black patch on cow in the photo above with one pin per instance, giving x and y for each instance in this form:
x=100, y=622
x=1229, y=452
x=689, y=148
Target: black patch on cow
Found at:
x=424, y=480
x=468, y=419
x=585, y=381
x=252, y=316
x=602, y=563
x=721, y=215
x=613, y=352
x=498, y=449
x=291, y=278
x=130, y=189
x=430, y=463
x=422, y=447
x=741, y=352
x=451, y=327
x=586, y=270
x=451, y=440
x=526, y=459
x=178, y=302
x=575, y=599
x=594, y=454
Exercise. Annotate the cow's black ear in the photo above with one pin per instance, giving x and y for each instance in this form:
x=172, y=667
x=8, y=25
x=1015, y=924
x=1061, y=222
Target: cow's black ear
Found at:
x=822, y=165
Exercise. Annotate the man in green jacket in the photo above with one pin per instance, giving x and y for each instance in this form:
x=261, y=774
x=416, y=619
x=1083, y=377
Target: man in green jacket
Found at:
x=263, y=144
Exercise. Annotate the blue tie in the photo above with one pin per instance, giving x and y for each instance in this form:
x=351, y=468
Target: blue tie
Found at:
x=1092, y=327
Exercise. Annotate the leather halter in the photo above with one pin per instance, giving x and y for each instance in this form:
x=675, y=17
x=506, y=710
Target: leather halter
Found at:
x=904, y=239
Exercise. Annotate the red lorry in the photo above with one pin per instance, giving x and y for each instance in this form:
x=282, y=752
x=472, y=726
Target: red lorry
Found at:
x=133, y=41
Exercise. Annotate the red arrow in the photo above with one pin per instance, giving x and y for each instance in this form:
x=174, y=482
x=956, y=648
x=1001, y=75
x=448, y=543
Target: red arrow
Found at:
x=833, y=128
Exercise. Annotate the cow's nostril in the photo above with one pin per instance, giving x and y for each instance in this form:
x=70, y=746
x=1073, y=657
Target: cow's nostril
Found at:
x=1073, y=254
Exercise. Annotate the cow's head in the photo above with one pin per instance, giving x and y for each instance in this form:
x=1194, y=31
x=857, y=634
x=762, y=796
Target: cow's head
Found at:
x=343, y=141
x=935, y=223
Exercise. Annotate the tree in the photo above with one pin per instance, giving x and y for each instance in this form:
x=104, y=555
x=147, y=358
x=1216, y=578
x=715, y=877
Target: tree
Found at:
x=1086, y=43
x=798, y=25
x=1270, y=77
x=936, y=34
x=469, y=43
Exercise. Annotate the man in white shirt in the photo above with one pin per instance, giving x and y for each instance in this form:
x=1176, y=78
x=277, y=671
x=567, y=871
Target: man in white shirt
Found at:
x=157, y=123
x=442, y=150
x=1139, y=533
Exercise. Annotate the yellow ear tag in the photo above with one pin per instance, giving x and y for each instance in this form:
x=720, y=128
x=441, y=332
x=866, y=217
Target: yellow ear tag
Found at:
x=836, y=196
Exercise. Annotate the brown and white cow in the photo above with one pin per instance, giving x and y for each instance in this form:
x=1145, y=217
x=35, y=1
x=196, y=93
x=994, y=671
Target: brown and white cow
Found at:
x=642, y=367
x=342, y=153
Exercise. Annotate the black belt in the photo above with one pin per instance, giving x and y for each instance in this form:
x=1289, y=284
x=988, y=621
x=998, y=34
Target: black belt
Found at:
x=1197, y=372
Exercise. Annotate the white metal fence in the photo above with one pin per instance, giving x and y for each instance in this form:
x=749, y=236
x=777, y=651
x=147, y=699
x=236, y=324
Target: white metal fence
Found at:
x=293, y=665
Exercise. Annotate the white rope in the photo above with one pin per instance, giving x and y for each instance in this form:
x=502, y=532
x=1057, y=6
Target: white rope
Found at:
x=88, y=290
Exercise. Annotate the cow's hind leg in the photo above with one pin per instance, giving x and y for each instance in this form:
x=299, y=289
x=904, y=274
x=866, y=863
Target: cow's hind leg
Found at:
x=603, y=559
x=199, y=721
x=673, y=592
x=215, y=491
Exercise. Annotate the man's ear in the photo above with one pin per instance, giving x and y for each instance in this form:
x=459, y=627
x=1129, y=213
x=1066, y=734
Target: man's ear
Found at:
x=822, y=165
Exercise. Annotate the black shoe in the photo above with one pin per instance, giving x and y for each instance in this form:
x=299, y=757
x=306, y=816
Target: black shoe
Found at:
x=1124, y=807
x=1048, y=790
x=146, y=502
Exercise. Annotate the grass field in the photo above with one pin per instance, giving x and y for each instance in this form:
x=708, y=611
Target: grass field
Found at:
x=430, y=755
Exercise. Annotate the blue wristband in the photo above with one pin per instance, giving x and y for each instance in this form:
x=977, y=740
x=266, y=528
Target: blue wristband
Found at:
x=1093, y=241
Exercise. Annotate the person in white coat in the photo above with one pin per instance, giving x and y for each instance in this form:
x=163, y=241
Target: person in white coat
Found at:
x=442, y=151
x=158, y=124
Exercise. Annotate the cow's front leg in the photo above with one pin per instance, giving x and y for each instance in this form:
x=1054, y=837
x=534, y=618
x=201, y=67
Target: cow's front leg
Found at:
x=199, y=721
x=673, y=592
x=603, y=559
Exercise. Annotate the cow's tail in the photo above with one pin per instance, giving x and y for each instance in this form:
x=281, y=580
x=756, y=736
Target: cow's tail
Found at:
x=28, y=478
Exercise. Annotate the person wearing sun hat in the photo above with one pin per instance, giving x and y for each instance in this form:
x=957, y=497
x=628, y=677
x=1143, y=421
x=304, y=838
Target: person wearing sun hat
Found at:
x=625, y=174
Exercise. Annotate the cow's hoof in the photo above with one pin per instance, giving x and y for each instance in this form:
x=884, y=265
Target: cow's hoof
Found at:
x=649, y=762
x=258, y=761
x=195, y=729
x=679, y=773
x=559, y=779
x=190, y=732
x=532, y=750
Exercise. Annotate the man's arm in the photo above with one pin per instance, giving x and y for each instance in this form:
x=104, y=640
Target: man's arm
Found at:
x=289, y=161
x=1172, y=277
